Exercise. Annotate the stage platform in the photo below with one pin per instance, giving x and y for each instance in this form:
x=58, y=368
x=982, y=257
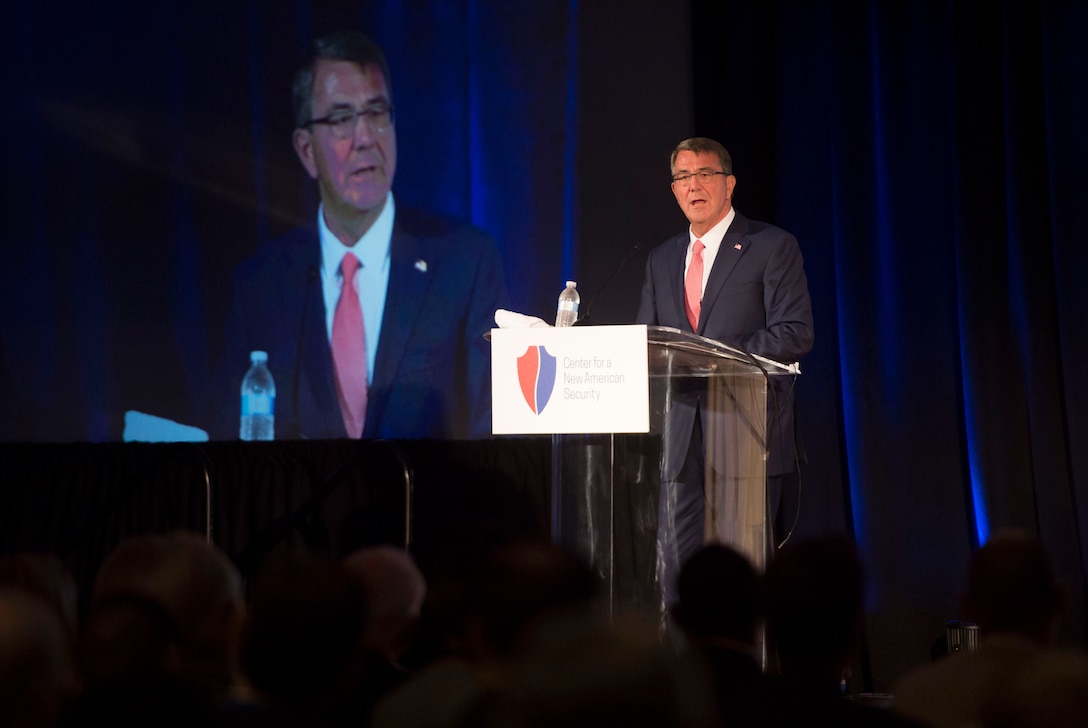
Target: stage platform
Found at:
x=78, y=500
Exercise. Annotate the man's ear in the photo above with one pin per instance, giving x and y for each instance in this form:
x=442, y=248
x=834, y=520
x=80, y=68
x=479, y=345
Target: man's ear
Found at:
x=303, y=142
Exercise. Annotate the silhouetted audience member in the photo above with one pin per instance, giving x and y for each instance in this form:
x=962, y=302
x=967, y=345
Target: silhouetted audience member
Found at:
x=719, y=612
x=512, y=587
x=198, y=587
x=519, y=585
x=127, y=635
x=130, y=654
x=815, y=611
x=304, y=625
x=452, y=543
x=1014, y=598
x=394, y=589
x=37, y=673
x=581, y=670
x=45, y=576
x=159, y=642
x=152, y=696
x=1050, y=691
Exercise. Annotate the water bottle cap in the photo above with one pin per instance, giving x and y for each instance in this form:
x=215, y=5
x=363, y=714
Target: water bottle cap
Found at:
x=258, y=356
x=571, y=284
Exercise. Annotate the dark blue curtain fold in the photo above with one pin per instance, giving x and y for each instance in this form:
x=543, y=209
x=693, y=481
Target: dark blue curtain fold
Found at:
x=937, y=217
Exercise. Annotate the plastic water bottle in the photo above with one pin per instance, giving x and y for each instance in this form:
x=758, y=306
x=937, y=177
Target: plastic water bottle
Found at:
x=258, y=400
x=567, y=311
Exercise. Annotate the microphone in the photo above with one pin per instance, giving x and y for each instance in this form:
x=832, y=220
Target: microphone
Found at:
x=608, y=280
x=312, y=275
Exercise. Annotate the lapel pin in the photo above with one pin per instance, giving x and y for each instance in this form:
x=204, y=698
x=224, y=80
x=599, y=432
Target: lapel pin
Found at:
x=737, y=246
x=421, y=265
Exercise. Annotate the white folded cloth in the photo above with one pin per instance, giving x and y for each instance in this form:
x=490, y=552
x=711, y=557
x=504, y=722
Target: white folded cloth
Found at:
x=513, y=320
x=142, y=427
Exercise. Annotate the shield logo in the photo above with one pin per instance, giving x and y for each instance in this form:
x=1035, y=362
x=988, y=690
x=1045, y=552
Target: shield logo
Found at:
x=536, y=374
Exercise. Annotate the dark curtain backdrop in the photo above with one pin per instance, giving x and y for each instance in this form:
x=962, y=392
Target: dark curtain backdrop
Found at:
x=928, y=155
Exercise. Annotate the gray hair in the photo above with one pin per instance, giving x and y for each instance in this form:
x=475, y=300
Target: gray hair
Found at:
x=344, y=46
x=702, y=145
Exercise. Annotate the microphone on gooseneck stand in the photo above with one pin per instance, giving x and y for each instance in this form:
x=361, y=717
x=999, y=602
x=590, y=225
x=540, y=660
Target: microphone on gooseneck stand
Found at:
x=312, y=274
x=608, y=280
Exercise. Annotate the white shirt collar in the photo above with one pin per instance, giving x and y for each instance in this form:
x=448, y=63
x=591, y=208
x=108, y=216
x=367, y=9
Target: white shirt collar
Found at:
x=714, y=235
x=372, y=249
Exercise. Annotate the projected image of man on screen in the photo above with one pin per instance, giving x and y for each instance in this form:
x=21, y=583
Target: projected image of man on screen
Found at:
x=373, y=317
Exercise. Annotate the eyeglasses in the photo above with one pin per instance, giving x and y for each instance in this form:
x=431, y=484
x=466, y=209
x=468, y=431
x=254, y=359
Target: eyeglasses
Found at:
x=704, y=175
x=342, y=122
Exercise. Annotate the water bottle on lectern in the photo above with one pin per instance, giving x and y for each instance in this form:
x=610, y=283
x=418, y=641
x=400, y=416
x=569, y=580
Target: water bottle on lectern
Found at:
x=566, y=313
x=258, y=400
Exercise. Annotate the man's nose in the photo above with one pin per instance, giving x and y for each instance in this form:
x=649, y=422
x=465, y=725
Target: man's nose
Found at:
x=364, y=136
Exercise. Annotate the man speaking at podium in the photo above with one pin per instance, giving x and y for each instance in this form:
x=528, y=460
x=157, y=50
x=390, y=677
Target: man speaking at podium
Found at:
x=737, y=281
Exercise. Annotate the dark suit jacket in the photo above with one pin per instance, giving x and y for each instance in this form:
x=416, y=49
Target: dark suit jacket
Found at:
x=756, y=300
x=432, y=372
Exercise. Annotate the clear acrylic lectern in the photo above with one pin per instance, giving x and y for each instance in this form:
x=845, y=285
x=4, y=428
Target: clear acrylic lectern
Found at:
x=605, y=487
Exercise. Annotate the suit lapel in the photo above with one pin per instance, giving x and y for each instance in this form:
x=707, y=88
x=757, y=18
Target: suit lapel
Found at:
x=675, y=273
x=316, y=374
x=404, y=301
x=733, y=246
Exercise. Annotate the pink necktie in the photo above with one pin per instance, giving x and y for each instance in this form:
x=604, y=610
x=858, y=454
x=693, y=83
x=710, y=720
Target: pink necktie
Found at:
x=693, y=285
x=349, y=350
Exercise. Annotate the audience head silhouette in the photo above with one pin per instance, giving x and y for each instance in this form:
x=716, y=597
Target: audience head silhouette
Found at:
x=44, y=576
x=1013, y=597
x=395, y=589
x=814, y=593
x=580, y=669
x=521, y=584
x=304, y=625
x=719, y=611
x=37, y=674
x=718, y=591
x=176, y=584
x=1011, y=587
x=1049, y=691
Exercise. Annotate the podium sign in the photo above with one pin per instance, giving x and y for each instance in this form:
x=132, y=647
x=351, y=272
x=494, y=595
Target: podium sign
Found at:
x=576, y=380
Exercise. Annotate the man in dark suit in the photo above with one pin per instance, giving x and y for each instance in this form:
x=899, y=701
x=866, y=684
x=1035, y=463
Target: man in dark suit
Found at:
x=736, y=281
x=373, y=318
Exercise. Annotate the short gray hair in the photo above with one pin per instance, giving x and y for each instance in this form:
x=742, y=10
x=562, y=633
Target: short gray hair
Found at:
x=344, y=46
x=702, y=145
